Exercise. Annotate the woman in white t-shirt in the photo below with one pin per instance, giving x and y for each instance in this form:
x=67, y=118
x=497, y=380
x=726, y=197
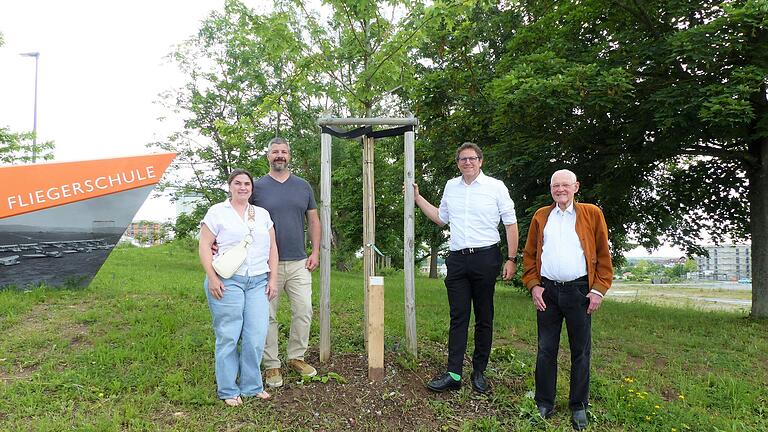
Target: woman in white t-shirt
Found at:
x=240, y=304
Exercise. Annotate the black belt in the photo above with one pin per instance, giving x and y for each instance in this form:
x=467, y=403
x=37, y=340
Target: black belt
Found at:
x=469, y=251
x=580, y=281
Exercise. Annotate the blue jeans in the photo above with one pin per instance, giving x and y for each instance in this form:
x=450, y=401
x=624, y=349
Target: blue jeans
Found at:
x=242, y=315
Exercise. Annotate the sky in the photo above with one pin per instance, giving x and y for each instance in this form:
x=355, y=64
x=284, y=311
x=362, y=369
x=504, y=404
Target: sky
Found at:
x=665, y=251
x=101, y=69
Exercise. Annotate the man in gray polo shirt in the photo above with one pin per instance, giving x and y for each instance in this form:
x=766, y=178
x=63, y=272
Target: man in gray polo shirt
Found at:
x=289, y=200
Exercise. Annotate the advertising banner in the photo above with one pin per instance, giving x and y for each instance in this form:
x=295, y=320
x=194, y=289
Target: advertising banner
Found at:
x=59, y=221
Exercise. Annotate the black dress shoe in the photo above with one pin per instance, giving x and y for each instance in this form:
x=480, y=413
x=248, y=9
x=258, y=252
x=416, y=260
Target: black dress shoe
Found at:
x=479, y=383
x=443, y=383
x=545, y=412
x=579, y=419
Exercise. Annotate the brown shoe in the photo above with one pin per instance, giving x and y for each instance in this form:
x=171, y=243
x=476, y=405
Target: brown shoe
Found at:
x=302, y=367
x=273, y=377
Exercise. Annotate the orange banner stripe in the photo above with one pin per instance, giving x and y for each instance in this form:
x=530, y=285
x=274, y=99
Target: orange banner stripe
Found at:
x=29, y=188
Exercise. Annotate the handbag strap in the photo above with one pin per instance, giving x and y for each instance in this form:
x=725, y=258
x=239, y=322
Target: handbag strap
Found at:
x=251, y=222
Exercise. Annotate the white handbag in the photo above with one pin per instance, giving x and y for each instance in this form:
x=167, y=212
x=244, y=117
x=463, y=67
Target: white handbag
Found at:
x=226, y=263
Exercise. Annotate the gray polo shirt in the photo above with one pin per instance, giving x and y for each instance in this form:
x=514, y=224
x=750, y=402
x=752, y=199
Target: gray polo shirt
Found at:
x=287, y=204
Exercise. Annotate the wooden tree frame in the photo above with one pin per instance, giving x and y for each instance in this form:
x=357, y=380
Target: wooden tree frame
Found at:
x=375, y=348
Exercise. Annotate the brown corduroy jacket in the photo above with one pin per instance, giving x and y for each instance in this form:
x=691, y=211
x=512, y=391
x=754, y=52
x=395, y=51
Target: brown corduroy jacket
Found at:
x=593, y=235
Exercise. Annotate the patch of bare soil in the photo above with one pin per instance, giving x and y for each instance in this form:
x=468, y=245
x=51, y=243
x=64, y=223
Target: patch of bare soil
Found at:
x=15, y=372
x=399, y=402
x=48, y=320
x=670, y=395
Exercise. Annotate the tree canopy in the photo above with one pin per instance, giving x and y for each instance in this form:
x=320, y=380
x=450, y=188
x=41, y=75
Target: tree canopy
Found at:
x=658, y=106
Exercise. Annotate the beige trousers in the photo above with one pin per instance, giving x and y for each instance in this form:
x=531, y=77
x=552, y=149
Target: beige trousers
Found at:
x=296, y=281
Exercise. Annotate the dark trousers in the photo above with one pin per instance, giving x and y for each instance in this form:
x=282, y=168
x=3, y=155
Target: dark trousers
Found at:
x=564, y=301
x=471, y=281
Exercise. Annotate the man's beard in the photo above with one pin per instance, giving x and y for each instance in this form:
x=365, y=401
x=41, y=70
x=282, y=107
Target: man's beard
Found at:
x=279, y=165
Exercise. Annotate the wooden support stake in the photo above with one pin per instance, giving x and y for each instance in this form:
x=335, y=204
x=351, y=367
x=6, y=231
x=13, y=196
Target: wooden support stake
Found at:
x=325, y=248
x=369, y=220
x=376, y=328
x=408, y=245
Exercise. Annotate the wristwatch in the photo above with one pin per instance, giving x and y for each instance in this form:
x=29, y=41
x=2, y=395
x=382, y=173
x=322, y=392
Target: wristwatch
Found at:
x=513, y=259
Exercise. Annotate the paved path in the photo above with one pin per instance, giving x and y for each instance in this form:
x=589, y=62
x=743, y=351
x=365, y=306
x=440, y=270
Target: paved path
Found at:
x=685, y=292
x=735, y=286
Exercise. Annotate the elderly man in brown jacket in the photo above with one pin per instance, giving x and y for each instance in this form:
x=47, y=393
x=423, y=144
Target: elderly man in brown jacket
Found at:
x=567, y=267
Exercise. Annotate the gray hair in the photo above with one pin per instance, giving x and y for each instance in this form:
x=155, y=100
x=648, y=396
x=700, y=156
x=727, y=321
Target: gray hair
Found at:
x=570, y=174
x=278, y=140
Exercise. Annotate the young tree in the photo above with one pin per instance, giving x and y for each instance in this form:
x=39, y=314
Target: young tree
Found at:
x=362, y=53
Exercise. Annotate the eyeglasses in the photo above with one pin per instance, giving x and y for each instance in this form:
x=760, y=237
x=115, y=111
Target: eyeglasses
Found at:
x=562, y=185
x=467, y=159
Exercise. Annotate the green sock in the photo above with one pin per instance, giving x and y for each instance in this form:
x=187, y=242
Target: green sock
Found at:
x=456, y=377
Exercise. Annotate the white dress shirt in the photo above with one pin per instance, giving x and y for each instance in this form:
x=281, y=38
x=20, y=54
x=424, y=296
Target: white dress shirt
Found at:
x=230, y=228
x=474, y=211
x=562, y=258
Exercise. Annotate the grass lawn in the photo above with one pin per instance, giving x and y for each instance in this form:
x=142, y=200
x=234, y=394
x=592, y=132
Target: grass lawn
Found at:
x=134, y=351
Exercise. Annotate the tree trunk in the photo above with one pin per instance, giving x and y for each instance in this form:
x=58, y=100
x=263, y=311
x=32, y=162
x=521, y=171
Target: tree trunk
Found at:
x=758, y=190
x=433, y=254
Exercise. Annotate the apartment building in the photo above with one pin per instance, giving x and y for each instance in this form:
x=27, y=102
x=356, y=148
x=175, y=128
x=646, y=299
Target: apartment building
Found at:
x=726, y=262
x=147, y=232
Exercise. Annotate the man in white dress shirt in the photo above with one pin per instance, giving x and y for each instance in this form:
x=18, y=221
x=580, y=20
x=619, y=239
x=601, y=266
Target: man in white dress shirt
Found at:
x=567, y=267
x=472, y=204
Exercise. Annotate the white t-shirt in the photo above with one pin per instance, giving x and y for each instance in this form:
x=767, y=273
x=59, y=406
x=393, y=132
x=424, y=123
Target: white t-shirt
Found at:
x=229, y=228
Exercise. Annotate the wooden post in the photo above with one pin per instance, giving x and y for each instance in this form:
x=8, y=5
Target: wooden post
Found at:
x=375, y=329
x=369, y=221
x=325, y=248
x=408, y=247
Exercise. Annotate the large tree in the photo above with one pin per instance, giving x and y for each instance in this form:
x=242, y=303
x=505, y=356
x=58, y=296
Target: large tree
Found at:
x=659, y=106
x=246, y=82
x=253, y=76
x=457, y=60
